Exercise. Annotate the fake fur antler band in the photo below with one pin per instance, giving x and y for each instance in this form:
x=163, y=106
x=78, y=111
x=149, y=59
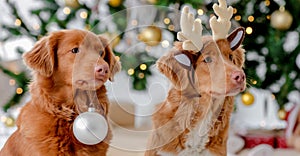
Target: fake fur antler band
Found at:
x=221, y=26
x=191, y=29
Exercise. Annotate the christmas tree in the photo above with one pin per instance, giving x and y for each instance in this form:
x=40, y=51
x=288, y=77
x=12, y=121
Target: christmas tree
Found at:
x=272, y=40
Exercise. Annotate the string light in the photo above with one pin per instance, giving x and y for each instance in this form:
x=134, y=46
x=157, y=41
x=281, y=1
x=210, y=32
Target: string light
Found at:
x=12, y=82
x=263, y=123
x=130, y=71
x=167, y=21
x=9, y=122
x=36, y=27
x=237, y=17
x=273, y=97
x=141, y=75
x=254, y=82
x=83, y=14
x=134, y=22
x=66, y=10
x=250, y=18
x=200, y=12
x=234, y=10
x=143, y=66
x=19, y=90
x=165, y=44
x=3, y=118
x=18, y=22
x=249, y=30
x=268, y=17
x=117, y=58
x=267, y=2
x=171, y=27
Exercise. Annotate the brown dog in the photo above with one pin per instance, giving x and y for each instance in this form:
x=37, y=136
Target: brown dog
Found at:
x=205, y=74
x=63, y=63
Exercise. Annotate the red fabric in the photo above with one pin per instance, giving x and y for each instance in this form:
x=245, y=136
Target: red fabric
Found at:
x=272, y=138
x=254, y=140
x=281, y=142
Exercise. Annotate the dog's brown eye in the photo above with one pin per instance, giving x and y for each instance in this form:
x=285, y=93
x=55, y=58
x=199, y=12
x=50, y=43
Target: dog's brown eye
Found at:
x=208, y=60
x=230, y=57
x=75, y=50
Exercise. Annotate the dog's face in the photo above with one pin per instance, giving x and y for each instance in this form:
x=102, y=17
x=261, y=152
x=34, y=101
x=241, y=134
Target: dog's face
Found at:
x=75, y=58
x=216, y=70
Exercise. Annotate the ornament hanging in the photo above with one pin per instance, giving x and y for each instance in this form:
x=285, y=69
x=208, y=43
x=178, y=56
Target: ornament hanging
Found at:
x=72, y=3
x=115, y=3
x=281, y=114
x=151, y=35
x=281, y=19
x=247, y=98
x=90, y=127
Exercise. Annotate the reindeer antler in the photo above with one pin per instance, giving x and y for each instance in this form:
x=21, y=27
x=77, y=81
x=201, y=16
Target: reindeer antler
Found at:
x=221, y=26
x=191, y=31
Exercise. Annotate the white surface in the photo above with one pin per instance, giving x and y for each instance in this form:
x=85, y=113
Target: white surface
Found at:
x=121, y=91
x=254, y=116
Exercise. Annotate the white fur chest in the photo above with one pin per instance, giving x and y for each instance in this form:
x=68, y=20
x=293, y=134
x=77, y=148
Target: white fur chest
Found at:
x=197, y=138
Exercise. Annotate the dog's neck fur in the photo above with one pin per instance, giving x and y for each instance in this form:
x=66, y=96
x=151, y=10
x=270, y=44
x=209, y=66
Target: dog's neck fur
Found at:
x=194, y=115
x=199, y=105
x=59, y=112
x=61, y=97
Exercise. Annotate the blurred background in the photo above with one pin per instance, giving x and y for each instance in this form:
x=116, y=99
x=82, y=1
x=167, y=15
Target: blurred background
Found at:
x=141, y=31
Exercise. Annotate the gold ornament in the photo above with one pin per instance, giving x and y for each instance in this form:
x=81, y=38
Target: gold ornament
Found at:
x=282, y=114
x=248, y=99
x=281, y=19
x=115, y=3
x=9, y=121
x=72, y=3
x=150, y=36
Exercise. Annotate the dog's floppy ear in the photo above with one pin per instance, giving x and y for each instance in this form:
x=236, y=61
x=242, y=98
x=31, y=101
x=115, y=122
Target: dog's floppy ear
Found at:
x=41, y=58
x=173, y=65
x=110, y=58
x=236, y=38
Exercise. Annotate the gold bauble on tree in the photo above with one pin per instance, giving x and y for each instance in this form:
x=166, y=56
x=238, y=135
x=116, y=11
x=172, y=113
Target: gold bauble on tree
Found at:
x=72, y=3
x=247, y=98
x=281, y=19
x=282, y=114
x=150, y=36
x=115, y=3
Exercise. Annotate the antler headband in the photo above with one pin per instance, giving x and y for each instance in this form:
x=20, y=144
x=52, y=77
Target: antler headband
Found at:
x=191, y=29
x=221, y=26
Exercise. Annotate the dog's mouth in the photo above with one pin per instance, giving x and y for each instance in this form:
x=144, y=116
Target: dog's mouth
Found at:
x=92, y=84
x=235, y=91
x=229, y=92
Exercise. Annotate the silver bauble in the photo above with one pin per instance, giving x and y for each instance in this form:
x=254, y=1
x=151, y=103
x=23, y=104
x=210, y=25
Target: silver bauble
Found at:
x=90, y=128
